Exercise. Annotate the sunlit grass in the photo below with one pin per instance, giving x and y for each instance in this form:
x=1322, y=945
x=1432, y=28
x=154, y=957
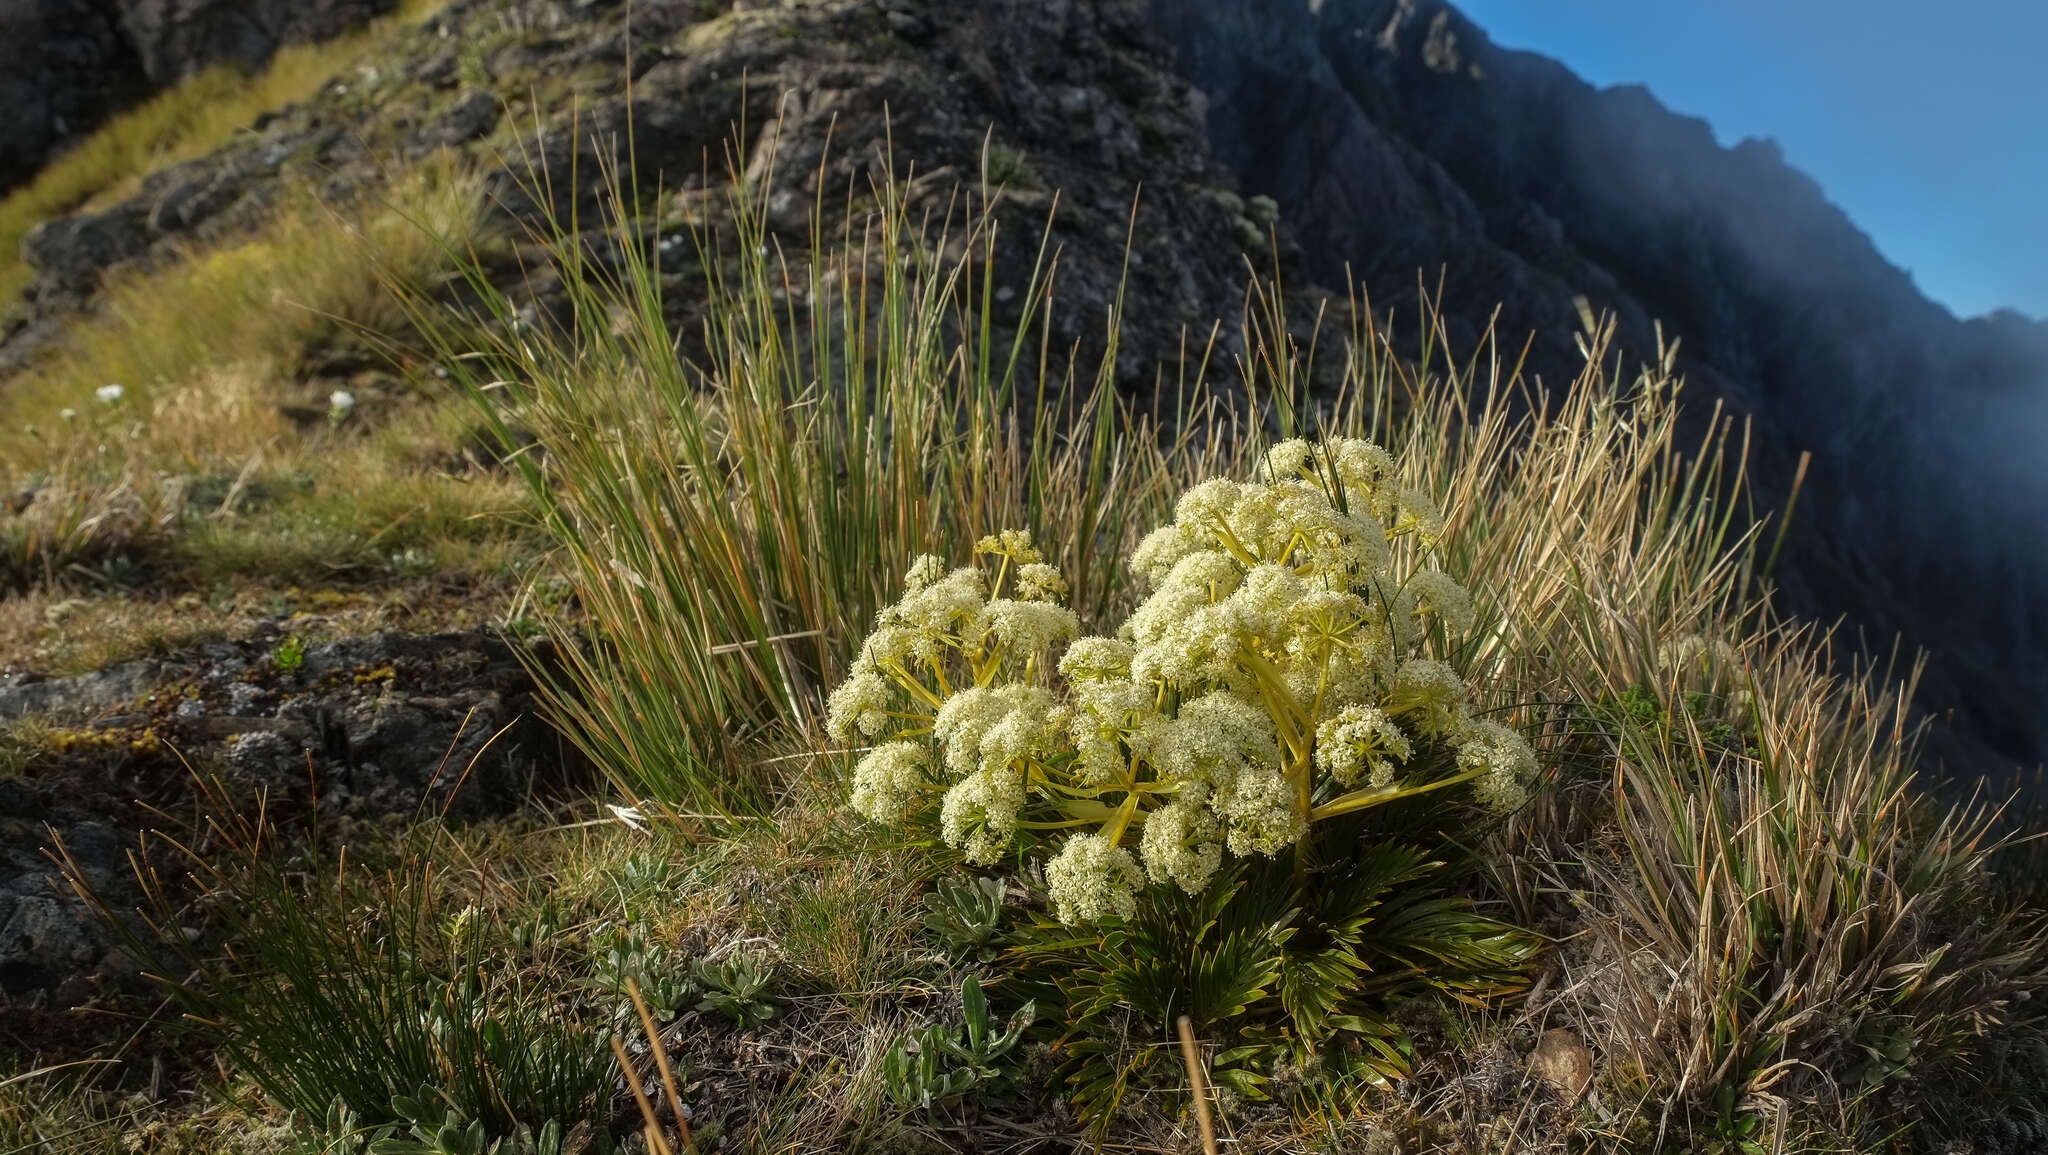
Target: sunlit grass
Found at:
x=189, y=119
x=216, y=454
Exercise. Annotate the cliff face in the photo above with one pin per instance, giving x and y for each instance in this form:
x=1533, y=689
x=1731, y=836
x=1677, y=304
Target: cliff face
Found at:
x=66, y=65
x=1396, y=137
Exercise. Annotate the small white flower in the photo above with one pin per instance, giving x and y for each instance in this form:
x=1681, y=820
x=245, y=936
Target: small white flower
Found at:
x=888, y=779
x=1096, y=659
x=979, y=815
x=1091, y=879
x=1014, y=544
x=68, y=414
x=340, y=404
x=1029, y=627
x=109, y=394
x=1505, y=762
x=1040, y=582
x=859, y=707
x=928, y=569
x=1182, y=844
x=1436, y=592
x=1362, y=742
x=1429, y=694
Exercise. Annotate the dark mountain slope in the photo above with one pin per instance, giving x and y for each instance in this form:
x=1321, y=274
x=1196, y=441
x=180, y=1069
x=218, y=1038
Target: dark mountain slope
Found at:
x=1395, y=136
x=65, y=65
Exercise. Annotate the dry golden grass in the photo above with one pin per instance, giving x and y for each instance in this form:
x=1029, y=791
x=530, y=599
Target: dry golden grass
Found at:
x=187, y=120
x=209, y=345
x=220, y=455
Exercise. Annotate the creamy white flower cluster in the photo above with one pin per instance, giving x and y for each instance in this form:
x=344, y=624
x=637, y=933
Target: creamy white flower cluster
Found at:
x=1278, y=675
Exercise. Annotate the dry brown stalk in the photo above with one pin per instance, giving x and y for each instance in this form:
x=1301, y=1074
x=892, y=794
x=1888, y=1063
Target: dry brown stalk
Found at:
x=1189, y=1052
x=668, y=1078
x=656, y=1145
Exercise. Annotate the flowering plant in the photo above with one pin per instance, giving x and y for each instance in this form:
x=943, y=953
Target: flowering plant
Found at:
x=1279, y=675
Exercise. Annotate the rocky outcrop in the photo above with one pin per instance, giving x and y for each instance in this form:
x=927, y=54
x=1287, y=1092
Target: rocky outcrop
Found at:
x=366, y=728
x=834, y=94
x=1397, y=138
x=65, y=65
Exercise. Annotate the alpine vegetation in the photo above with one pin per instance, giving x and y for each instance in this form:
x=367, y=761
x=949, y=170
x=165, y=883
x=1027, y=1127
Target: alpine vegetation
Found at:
x=1287, y=669
x=1215, y=767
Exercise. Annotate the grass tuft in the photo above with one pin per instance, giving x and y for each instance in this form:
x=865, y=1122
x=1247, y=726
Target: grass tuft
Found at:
x=331, y=982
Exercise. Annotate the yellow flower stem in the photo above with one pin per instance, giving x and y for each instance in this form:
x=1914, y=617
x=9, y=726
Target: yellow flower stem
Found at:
x=1069, y=824
x=1371, y=796
x=1280, y=703
x=1315, y=708
x=1234, y=547
x=917, y=689
x=1078, y=791
x=1113, y=830
x=1297, y=541
x=995, y=589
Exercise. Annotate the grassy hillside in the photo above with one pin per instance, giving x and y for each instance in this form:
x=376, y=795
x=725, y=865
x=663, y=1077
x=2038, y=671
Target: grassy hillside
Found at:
x=1720, y=918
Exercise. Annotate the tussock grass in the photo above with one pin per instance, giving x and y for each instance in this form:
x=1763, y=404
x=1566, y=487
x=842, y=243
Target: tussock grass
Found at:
x=1792, y=919
x=187, y=120
x=735, y=521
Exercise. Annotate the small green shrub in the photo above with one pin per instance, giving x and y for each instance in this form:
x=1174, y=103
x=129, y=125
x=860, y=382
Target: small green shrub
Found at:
x=627, y=957
x=289, y=655
x=966, y=915
x=431, y=1127
x=737, y=989
x=936, y=1065
x=1007, y=167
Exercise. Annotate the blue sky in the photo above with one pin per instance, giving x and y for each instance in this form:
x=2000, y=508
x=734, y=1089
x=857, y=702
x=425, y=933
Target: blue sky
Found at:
x=1927, y=123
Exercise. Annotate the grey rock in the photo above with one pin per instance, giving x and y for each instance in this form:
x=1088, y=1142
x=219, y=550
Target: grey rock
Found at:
x=263, y=755
x=100, y=690
x=472, y=116
x=245, y=700
x=64, y=66
x=41, y=942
